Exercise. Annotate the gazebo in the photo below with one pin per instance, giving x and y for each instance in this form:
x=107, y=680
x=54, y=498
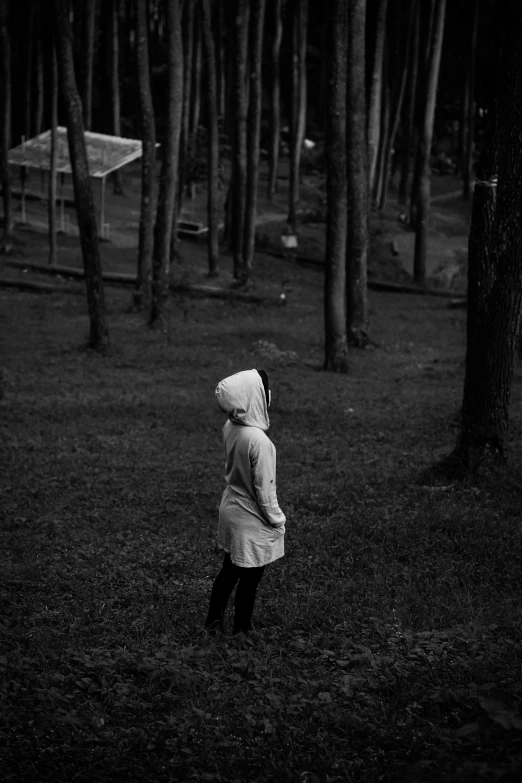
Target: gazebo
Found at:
x=105, y=154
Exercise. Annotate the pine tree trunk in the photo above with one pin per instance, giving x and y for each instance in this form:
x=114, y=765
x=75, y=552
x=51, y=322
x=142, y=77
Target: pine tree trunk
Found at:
x=221, y=59
x=40, y=85
x=213, y=138
x=195, y=108
x=5, y=115
x=115, y=84
x=467, y=161
x=87, y=53
x=148, y=160
x=409, y=118
x=384, y=131
x=297, y=105
x=374, y=109
x=99, y=335
x=422, y=196
x=53, y=245
x=357, y=179
x=169, y=169
x=397, y=109
x=494, y=269
x=188, y=23
x=239, y=142
x=275, y=98
x=336, y=343
x=29, y=72
x=254, y=131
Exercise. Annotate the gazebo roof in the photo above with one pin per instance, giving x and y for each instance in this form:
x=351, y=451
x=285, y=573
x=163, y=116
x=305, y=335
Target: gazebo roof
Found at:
x=105, y=154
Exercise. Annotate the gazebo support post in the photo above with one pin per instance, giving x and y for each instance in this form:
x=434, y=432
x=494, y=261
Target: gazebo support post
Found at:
x=62, y=204
x=102, y=207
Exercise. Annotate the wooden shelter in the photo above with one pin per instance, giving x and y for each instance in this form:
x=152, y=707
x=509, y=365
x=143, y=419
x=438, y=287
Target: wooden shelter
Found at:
x=105, y=154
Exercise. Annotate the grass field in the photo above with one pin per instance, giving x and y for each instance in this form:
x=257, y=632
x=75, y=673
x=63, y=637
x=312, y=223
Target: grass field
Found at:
x=389, y=644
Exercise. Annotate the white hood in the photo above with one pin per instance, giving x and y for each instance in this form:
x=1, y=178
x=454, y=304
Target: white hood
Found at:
x=242, y=398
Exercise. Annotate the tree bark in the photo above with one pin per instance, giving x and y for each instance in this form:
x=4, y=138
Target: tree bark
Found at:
x=213, y=138
x=40, y=85
x=357, y=179
x=397, y=109
x=188, y=23
x=53, y=245
x=115, y=84
x=297, y=105
x=5, y=115
x=494, y=269
x=467, y=158
x=148, y=159
x=254, y=131
x=275, y=98
x=169, y=169
x=374, y=109
x=239, y=141
x=423, y=193
x=87, y=50
x=336, y=343
x=409, y=118
x=29, y=72
x=195, y=107
x=99, y=334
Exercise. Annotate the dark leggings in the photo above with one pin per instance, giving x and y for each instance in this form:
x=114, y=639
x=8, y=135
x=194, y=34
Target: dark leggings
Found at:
x=247, y=580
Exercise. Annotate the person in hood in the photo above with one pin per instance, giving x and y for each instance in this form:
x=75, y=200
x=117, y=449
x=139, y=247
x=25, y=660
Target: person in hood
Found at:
x=251, y=524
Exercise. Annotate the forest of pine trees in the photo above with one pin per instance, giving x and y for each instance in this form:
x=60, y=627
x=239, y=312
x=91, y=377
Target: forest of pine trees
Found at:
x=388, y=90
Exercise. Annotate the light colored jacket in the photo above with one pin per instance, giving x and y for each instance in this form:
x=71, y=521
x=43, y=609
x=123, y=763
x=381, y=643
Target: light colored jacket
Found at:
x=251, y=524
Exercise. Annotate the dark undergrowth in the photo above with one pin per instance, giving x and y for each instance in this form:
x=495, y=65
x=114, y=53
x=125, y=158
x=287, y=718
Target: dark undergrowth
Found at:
x=389, y=644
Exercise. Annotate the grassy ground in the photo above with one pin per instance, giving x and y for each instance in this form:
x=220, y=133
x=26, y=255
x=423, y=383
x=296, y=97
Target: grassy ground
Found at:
x=389, y=645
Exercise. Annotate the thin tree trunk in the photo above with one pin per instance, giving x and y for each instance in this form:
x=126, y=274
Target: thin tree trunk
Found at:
x=422, y=196
x=169, y=169
x=29, y=73
x=195, y=108
x=397, y=109
x=87, y=50
x=188, y=49
x=99, y=334
x=213, y=138
x=115, y=84
x=5, y=114
x=336, y=343
x=374, y=109
x=221, y=59
x=297, y=105
x=53, y=246
x=409, y=118
x=467, y=161
x=40, y=85
x=148, y=160
x=357, y=179
x=384, y=130
x=239, y=146
x=254, y=131
x=275, y=98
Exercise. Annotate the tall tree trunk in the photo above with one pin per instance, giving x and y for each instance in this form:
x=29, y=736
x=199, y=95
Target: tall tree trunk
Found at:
x=254, y=131
x=213, y=138
x=494, y=269
x=115, y=84
x=188, y=23
x=467, y=158
x=409, y=114
x=221, y=58
x=336, y=343
x=297, y=104
x=148, y=159
x=239, y=142
x=29, y=72
x=357, y=179
x=397, y=108
x=87, y=54
x=40, y=84
x=99, y=334
x=422, y=196
x=275, y=97
x=53, y=245
x=5, y=114
x=374, y=109
x=169, y=169
x=195, y=107
x=384, y=132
